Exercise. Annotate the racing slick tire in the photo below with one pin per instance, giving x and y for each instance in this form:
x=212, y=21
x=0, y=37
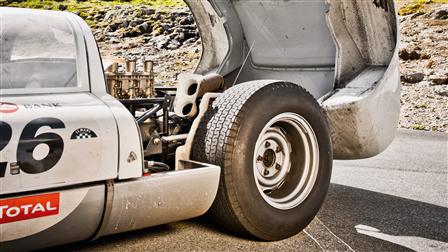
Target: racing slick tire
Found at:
x=272, y=142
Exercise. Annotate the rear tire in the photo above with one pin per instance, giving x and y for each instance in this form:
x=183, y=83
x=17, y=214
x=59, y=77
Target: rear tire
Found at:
x=273, y=145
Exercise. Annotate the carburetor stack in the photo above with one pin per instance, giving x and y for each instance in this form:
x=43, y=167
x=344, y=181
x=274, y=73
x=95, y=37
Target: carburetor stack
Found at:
x=131, y=84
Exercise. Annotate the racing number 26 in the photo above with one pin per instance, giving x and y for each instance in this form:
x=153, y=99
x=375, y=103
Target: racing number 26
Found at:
x=29, y=141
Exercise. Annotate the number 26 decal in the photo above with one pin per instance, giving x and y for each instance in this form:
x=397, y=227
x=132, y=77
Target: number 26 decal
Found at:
x=29, y=141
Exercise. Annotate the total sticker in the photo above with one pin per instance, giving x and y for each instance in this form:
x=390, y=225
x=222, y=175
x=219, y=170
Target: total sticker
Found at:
x=30, y=207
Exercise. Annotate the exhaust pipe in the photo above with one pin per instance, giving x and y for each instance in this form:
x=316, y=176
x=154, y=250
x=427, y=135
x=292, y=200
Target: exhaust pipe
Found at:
x=190, y=87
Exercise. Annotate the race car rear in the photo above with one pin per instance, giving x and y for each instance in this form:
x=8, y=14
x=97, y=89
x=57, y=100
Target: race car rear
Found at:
x=282, y=88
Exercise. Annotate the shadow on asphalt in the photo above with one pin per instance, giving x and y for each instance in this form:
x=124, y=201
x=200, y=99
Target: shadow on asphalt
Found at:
x=159, y=231
x=347, y=207
x=344, y=208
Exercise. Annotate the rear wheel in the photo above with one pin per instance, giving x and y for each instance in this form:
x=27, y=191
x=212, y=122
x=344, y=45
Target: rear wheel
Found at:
x=273, y=145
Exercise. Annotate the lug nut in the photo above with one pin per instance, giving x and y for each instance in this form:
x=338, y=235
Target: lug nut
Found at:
x=265, y=172
x=267, y=144
x=278, y=149
x=278, y=167
x=259, y=158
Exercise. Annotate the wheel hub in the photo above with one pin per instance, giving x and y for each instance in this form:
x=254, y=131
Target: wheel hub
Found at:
x=273, y=159
x=282, y=179
x=269, y=158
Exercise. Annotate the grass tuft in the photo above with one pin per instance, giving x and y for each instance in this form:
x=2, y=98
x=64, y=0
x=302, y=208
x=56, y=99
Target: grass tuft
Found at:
x=86, y=5
x=86, y=9
x=414, y=6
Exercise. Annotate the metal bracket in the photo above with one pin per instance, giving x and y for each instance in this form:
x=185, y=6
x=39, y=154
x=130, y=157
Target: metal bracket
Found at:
x=183, y=152
x=166, y=106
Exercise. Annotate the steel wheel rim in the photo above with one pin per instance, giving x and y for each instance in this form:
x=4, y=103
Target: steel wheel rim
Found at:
x=286, y=161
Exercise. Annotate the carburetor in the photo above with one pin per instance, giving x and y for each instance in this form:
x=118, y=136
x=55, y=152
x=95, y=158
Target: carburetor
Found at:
x=131, y=84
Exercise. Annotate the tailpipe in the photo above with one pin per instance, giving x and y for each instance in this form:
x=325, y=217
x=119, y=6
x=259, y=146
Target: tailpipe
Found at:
x=190, y=87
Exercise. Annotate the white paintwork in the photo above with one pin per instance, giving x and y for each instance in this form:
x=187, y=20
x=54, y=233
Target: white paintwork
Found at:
x=129, y=140
x=83, y=160
x=96, y=74
x=162, y=198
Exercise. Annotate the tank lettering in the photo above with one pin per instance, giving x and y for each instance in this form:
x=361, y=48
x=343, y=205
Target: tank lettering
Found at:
x=12, y=211
x=38, y=208
x=26, y=208
x=5, y=137
x=42, y=105
x=29, y=140
x=17, y=209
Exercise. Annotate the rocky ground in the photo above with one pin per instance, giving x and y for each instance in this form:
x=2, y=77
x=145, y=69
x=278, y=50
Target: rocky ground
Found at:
x=169, y=37
x=424, y=69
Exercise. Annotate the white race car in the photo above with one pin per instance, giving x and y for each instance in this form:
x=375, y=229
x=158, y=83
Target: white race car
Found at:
x=281, y=89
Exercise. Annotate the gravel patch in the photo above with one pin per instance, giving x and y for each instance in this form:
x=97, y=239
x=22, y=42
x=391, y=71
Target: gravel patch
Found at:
x=424, y=70
x=168, y=37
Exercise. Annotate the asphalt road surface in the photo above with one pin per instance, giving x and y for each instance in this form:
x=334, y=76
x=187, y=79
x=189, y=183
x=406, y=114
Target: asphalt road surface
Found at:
x=397, y=201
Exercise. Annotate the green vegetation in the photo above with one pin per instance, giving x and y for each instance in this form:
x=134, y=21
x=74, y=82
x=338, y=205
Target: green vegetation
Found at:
x=414, y=6
x=75, y=5
x=421, y=106
x=86, y=9
x=418, y=127
x=406, y=7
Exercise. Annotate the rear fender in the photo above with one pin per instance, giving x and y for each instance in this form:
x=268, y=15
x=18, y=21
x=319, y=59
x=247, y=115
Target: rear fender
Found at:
x=75, y=215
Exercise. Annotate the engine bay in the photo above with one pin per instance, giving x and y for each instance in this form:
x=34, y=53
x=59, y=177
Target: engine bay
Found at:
x=164, y=114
